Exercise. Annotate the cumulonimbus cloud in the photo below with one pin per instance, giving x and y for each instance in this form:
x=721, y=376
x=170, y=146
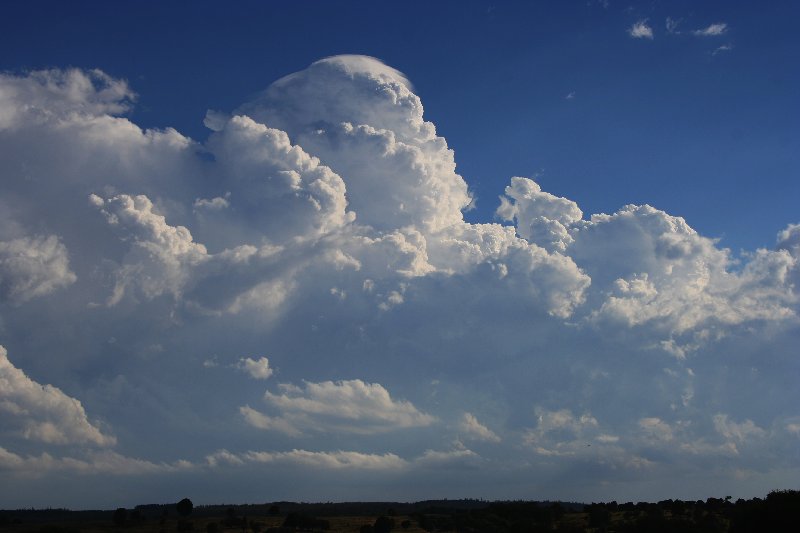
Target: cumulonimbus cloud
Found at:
x=322, y=223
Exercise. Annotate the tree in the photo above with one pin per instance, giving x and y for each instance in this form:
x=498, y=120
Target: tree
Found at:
x=185, y=507
x=120, y=516
x=383, y=524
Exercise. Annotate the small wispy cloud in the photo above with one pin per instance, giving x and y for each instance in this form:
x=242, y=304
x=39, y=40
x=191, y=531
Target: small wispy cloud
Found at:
x=672, y=25
x=723, y=48
x=641, y=30
x=718, y=28
x=570, y=96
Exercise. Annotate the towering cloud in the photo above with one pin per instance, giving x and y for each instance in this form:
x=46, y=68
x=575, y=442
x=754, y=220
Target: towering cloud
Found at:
x=321, y=223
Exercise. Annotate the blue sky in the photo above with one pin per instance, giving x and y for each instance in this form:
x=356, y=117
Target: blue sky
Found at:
x=359, y=249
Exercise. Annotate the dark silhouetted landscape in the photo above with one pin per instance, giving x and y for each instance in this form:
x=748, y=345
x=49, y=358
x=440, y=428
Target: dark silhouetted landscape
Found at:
x=778, y=512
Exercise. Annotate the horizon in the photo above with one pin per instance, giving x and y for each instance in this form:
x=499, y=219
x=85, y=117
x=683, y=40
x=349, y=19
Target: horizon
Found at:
x=482, y=249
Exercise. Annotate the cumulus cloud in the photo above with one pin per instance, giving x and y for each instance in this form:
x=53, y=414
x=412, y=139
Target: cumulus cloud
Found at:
x=539, y=217
x=641, y=30
x=346, y=460
x=348, y=406
x=161, y=256
x=647, y=267
x=475, y=430
x=261, y=421
x=33, y=266
x=101, y=462
x=257, y=368
x=43, y=412
x=560, y=432
x=57, y=95
x=325, y=460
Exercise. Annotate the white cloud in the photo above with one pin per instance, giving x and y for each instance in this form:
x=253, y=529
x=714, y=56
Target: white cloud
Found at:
x=373, y=132
x=309, y=210
x=335, y=460
x=214, y=204
x=738, y=432
x=56, y=95
x=458, y=458
x=723, y=48
x=539, y=217
x=257, y=368
x=31, y=267
x=348, y=406
x=560, y=432
x=330, y=460
x=43, y=412
x=640, y=30
x=161, y=255
x=656, y=428
x=100, y=462
x=347, y=460
x=261, y=421
x=789, y=239
x=713, y=30
x=475, y=430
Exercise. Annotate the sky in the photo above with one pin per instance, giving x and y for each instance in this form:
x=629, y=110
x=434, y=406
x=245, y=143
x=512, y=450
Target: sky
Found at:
x=335, y=251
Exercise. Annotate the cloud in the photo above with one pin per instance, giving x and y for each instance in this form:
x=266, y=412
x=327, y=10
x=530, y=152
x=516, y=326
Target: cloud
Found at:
x=61, y=95
x=723, y=48
x=637, y=256
x=43, y=412
x=262, y=421
x=329, y=460
x=161, y=256
x=738, y=432
x=641, y=30
x=713, y=30
x=322, y=223
x=672, y=24
x=214, y=204
x=100, y=462
x=457, y=458
x=475, y=430
x=257, y=368
x=540, y=217
x=560, y=432
x=33, y=266
x=348, y=406
x=345, y=460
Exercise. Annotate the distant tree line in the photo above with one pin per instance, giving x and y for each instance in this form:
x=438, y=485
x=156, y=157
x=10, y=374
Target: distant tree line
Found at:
x=778, y=512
